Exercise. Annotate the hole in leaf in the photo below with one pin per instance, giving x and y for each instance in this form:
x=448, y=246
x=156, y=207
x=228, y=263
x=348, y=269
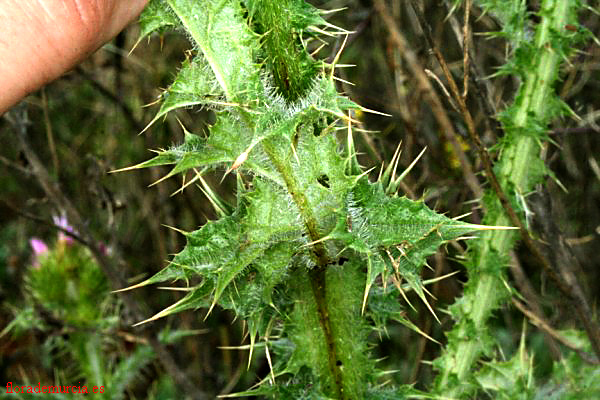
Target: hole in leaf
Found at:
x=323, y=181
x=316, y=130
x=211, y=117
x=207, y=119
x=244, y=9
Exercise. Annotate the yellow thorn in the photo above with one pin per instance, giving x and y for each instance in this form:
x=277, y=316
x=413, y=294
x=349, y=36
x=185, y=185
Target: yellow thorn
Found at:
x=318, y=49
x=295, y=154
x=241, y=347
x=137, y=166
x=477, y=227
x=338, y=55
x=175, y=229
x=342, y=116
x=161, y=179
x=321, y=31
x=439, y=278
x=368, y=110
x=204, y=191
x=380, y=171
x=363, y=174
x=269, y=362
x=395, y=161
x=325, y=12
x=412, y=164
x=138, y=285
x=324, y=238
x=134, y=46
x=462, y=216
x=343, y=80
x=159, y=315
x=214, y=303
x=398, y=285
x=184, y=185
x=176, y=289
x=252, y=343
x=153, y=103
x=365, y=296
x=430, y=309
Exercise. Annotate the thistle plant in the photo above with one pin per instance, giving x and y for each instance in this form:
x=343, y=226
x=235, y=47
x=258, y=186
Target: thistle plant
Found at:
x=312, y=255
x=68, y=303
x=321, y=258
x=536, y=56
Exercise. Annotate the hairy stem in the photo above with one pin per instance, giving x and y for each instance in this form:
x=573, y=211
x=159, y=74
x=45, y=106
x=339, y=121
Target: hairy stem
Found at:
x=316, y=275
x=318, y=283
x=485, y=289
x=292, y=69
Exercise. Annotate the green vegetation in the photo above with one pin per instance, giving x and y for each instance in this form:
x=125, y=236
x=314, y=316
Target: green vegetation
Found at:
x=335, y=273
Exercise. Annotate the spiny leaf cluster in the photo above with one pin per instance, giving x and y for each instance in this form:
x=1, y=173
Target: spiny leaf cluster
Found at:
x=309, y=237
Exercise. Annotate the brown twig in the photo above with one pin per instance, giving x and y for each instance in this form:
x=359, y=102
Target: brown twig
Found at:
x=546, y=328
x=525, y=287
x=43, y=221
x=479, y=86
x=49, y=133
x=14, y=165
x=434, y=101
x=575, y=130
x=466, y=49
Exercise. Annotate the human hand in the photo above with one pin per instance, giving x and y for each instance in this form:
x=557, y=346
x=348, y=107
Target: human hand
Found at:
x=41, y=39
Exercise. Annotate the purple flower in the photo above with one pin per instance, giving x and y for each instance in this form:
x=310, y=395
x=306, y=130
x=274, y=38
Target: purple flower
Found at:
x=39, y=249
x=63, y=223
x=104, y=249
x=38, y=246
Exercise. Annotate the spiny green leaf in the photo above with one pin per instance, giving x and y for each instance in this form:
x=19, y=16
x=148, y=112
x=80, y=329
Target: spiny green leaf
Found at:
x=156, y=17
x=206, y=250
x=382, y=221
x=227, y=140
x=220, y=32
x=271, y=215
x=372, y=223
x=194, y=85
x=231, y=136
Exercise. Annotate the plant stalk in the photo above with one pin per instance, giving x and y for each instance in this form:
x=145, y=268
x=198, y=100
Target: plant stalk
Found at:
x=317, y=275
x=486, y=290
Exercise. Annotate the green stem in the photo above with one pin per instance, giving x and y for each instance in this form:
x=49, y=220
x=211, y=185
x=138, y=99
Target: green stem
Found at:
x=292, y=71
x=308, y=216
x=317, y=275
x=486, y=290
x=318, y=284
x=291, y=67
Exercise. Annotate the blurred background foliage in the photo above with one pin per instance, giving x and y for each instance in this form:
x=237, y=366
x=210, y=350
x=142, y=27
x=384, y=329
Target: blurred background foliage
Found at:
x=87, y=124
